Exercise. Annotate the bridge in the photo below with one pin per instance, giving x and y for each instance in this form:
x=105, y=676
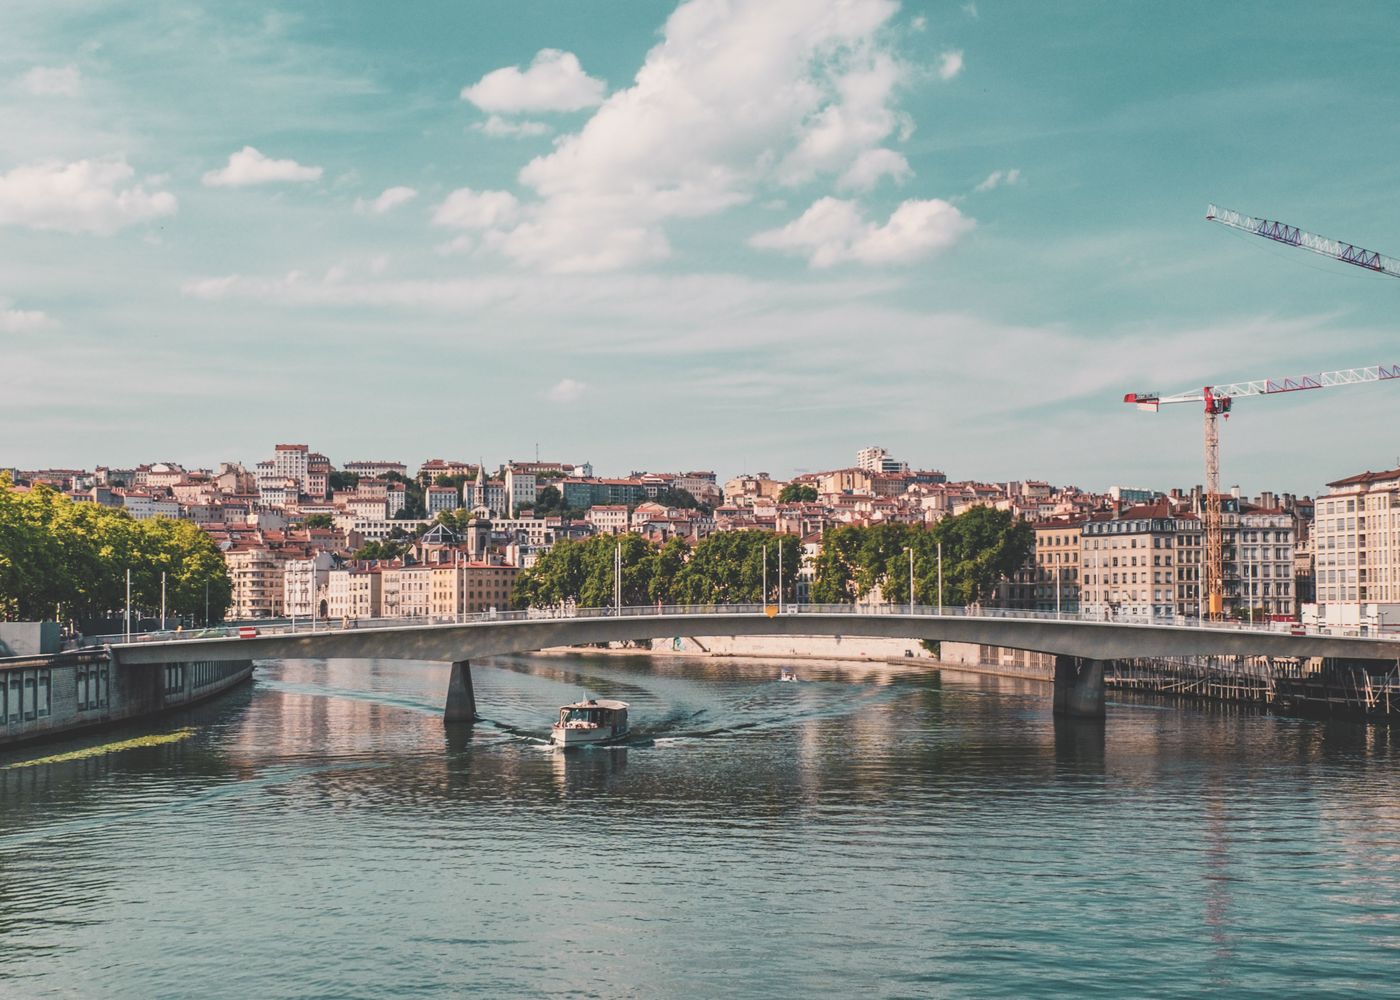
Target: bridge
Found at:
x=1080, y=646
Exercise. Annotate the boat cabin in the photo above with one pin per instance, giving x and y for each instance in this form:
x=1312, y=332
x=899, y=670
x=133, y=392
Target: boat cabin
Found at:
x=591, y=721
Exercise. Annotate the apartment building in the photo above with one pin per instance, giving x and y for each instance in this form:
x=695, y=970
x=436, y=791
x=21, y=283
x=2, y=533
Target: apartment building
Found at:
x=1143, y=562
x=354, y=592
x=1356, y=551
x=303, y=583
x=255, y=571
x=608, y=519
x=470, y=588
x=1056, y=579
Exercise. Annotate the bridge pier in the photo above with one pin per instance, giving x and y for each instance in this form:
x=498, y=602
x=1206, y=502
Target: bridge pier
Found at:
x=1079, y=687
x=461, y=699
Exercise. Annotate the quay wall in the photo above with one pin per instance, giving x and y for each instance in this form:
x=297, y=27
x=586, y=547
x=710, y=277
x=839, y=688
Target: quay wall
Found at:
x=44, y=697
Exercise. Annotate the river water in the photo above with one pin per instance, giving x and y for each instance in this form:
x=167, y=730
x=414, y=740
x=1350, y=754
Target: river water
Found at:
x=870, y=829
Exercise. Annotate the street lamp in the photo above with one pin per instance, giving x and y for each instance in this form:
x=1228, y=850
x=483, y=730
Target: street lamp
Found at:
x=940, y=578
x=910, y=550
x=763, y=595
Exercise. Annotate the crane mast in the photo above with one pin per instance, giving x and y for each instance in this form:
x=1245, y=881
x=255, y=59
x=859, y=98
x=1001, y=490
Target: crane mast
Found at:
x=1217, y=401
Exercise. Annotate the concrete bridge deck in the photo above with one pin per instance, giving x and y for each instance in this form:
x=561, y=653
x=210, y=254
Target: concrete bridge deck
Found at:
x=1080, y=645
x=523, y=631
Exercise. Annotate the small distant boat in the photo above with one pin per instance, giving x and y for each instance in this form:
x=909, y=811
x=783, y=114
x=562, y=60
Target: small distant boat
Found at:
x=787, y=675
x=587, y=722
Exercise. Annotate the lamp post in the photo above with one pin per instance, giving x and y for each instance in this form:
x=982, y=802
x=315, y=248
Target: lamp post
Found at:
x=162, y=600
x=911, y=579
x=763, y=596
x=1058, y=574
x=128, y=604
x=780, y=575
x=617, y=578
x=940, y=578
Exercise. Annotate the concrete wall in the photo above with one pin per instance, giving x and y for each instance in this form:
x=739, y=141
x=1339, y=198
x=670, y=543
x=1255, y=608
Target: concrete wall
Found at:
x=48, y=696
x=825, y=647
x=28, y=638
x=996, y=656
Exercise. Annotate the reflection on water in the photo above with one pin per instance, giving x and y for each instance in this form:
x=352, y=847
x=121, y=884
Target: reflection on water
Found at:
x=868, y=825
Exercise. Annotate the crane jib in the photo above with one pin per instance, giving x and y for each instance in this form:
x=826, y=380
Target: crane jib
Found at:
x=1282, y=232
x=1268, y=386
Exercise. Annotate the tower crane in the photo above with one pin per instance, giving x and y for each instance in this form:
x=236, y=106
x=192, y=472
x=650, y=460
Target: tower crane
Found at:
x=1217, y=401
x=1282, y=232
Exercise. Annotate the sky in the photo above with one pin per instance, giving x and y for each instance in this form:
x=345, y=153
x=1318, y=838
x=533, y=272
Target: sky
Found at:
x=737, y=235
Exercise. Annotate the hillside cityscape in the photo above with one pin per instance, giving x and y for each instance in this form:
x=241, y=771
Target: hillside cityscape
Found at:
x=303, y=537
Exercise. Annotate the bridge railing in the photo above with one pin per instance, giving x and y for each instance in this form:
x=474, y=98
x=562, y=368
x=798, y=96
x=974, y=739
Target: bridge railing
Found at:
x=322, y=625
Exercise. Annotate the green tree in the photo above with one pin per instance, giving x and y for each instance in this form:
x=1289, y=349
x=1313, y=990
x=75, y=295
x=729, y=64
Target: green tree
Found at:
x=680, y=499
x=835, y=581
x=981, y=547
x=727, y=568
x=343, y=480
x=798, y=493
x=66, y=559
x=583, y=571
x=318, y=520
x=670, y=562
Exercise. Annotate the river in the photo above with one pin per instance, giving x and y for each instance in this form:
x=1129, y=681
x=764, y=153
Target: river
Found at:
x=874, y=830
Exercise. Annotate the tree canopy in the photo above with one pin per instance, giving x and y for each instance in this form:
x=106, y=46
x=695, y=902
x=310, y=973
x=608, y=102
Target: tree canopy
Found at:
x=60, y=558
x=726, y=568
x=798, y=493
x=981, y=546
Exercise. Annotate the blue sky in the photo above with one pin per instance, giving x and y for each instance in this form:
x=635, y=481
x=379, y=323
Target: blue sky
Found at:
x=729, y=235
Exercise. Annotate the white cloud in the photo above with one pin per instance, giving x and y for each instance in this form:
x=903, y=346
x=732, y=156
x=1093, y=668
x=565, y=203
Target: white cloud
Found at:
x=919, y=23
x=388, y=200
x=692, y=136
x=858, y=119
x=248, y=166
x=970, y=9
x=833, y=231
x=950, y=64
x=52, y=81
x=468, y=209
x=21, y=320
x=88, y=196
x=554, y=81
x=871, y=166
x=566, y=390
x=456, y=245
x=1000, y=178
x=496, y=125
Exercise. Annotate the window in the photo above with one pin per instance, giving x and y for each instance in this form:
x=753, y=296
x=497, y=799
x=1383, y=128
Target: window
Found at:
x=92, y=687
x=174, y=678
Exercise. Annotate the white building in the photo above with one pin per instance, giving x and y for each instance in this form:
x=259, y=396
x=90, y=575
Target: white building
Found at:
x=440, y=498
x=876, y=459
x=291, y=461
x=354, y=592
x=1356, y=540
x=519, y=490
x=302, y=583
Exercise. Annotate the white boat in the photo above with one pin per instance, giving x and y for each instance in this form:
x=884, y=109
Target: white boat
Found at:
x=788, y=674
x=591, y=721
